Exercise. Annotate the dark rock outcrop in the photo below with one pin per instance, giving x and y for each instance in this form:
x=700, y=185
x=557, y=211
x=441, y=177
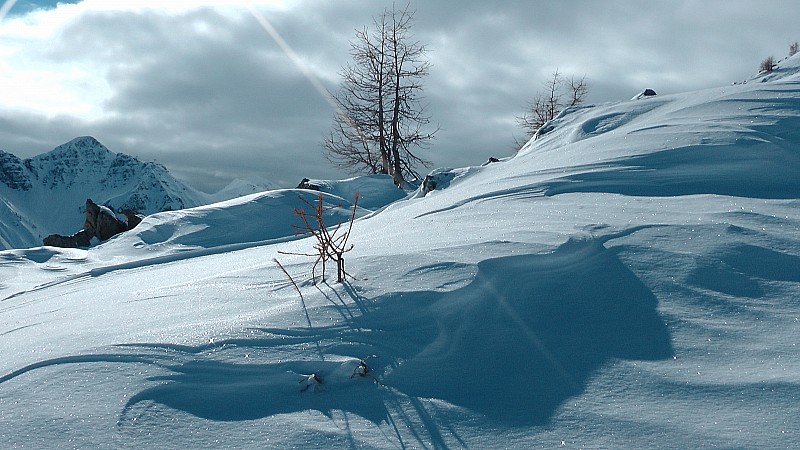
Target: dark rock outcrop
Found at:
x=132, y=217
x=79, y=239
x=437, y=180
x=101, y=223
x=428, y=184
x=305, y=183
x=645, y=94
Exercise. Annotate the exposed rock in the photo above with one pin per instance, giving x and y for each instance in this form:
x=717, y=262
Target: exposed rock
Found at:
x=133, y=218
x=101, y=223
x=428, y=184
x=645, y=94
x=305, y=183
x=79, y=239
x=438, y=179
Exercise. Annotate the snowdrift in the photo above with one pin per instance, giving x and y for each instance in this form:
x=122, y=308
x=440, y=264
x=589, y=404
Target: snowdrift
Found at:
x=245, y=219
x=629, y=279
x=733, y=141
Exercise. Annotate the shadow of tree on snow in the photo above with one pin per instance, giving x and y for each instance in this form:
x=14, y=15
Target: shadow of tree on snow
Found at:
x=524, y=336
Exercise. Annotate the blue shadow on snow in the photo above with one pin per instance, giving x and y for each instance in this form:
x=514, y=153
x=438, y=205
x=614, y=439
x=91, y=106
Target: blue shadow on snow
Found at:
x=523, y=337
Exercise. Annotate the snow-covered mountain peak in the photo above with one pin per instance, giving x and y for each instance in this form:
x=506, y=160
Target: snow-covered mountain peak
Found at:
x=46, y=193
x=86, y=146
x=75, y=162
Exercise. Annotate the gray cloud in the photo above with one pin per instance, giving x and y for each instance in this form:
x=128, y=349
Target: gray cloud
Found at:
x=209, y=94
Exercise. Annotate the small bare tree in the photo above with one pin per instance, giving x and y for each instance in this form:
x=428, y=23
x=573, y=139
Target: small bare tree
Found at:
x=768, y=64
x=794, y=48
x=558, y=94
x=331, y=244
x=577, y=89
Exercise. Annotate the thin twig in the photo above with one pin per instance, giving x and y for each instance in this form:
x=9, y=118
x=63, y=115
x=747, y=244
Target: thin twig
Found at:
x=280, y=266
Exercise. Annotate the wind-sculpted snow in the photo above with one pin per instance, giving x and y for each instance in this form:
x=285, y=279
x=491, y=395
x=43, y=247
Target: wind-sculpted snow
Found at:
x=250, y=218
x=530, y=331
x=240, y=223
x=629, y=279
x=740, y=269
x=743, y=170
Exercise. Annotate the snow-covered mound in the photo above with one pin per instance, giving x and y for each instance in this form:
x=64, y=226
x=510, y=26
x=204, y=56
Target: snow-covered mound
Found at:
x=256, y=218
x=629, y=279
x=730, y=141
x=241, y=187
x=375, y=191
x=786, y=69
x=248, y=219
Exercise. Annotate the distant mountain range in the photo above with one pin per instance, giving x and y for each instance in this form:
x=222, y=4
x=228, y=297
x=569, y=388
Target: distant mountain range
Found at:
x=46, y=194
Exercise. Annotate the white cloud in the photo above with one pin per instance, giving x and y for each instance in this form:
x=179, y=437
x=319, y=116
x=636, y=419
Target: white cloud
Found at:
x=31, y=81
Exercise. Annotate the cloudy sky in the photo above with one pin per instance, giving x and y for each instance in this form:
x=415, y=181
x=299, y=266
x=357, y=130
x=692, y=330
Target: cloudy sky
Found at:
x=204, y=88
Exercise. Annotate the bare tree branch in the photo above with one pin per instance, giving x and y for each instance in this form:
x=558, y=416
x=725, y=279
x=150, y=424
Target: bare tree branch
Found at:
x=330, y=244
x=557, y=95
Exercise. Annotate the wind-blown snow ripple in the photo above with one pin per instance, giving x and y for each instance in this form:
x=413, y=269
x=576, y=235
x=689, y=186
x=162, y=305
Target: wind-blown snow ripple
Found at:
x=515, y=343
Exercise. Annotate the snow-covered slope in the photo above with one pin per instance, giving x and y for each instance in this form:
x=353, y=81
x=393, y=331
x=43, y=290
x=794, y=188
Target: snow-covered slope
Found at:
x=630, y=279
x=241, y=187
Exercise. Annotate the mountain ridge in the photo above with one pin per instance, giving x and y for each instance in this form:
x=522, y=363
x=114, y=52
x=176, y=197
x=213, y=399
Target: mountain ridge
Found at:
x=45, y=194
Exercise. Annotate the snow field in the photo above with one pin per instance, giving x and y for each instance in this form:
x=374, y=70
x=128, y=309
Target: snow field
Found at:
x=628, y=280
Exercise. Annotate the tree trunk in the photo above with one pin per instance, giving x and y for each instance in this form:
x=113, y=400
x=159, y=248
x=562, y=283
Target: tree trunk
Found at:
x=397, y=169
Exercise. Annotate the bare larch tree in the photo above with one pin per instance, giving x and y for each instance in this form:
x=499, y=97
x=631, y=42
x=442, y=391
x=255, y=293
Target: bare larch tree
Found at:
x=380, y=121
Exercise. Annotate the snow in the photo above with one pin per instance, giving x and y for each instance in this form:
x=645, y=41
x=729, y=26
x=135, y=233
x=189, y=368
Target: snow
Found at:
x=241, y=187
x=375, y=191
x=629, y=279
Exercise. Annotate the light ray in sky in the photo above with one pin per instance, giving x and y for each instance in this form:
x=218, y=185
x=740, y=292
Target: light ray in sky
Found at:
x=6, y=8
x=312, y=78
x=290, y=53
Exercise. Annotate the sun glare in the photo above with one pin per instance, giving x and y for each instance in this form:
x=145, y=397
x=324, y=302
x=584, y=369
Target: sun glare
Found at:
x=7, y=5
x=292, y=55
